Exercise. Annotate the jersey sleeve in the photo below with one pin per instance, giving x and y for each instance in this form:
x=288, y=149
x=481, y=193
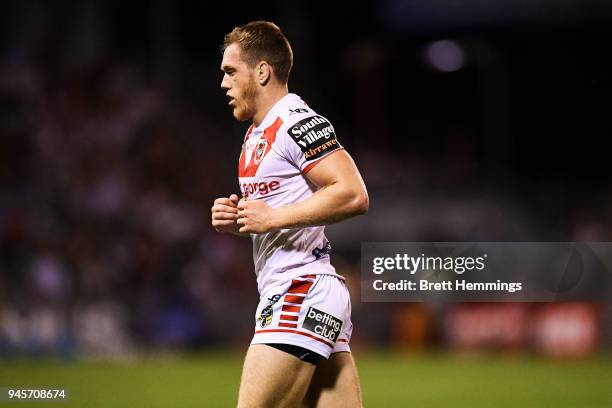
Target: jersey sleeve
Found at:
x=309, y=140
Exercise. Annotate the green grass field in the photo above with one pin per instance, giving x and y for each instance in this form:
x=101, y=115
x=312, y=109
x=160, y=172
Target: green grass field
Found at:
x=441, y=380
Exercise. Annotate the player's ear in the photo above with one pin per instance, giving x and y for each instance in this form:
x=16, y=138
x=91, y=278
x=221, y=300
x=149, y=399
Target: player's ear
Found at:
x=263, y=72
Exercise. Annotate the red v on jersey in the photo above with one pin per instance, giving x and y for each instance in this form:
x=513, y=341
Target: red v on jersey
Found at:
x=261, y=150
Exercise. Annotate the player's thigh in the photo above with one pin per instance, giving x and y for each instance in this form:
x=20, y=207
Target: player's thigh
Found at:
x=273, y=378
x=335, y=383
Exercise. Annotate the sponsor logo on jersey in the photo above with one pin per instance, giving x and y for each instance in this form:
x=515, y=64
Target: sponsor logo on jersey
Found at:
x=323, y=324
x=321, y=252
x=315, y=137
x=307, y=131
x=259, y=187
x=265, y=317
x=319, y=151
x=298, y=110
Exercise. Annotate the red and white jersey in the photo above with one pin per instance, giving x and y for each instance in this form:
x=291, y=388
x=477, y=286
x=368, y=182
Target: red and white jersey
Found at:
x=275, y=158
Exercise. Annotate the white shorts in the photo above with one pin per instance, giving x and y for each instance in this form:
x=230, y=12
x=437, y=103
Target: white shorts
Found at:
x=311, y=311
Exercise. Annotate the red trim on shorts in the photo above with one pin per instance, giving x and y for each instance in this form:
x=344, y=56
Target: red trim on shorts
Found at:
x=294, y=299
x=311, y=165
x=298, y=286
x=342, y=341
x=295, y=332
x=294, y=309
x=282, y=324
x=288, y=317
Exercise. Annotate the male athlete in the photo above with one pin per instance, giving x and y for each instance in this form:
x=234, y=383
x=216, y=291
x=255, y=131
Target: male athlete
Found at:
x=295, y=177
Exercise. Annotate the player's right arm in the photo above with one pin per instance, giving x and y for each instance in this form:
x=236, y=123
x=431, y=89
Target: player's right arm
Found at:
x=224, y=214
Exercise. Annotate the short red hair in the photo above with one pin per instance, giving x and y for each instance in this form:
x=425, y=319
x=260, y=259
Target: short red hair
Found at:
x=263, y=41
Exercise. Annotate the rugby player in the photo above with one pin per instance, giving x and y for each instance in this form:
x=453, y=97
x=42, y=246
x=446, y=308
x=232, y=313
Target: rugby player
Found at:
x=295, y=178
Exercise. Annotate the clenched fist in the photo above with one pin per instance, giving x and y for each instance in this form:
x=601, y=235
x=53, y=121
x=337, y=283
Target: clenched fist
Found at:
x=255, y=216
x=225, y=213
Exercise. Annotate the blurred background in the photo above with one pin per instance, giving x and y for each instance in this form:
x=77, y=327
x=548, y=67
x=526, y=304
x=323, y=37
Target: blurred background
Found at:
x=470, y=121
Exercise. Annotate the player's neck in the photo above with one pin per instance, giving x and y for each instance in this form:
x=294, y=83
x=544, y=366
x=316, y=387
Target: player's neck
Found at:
x=266, y=101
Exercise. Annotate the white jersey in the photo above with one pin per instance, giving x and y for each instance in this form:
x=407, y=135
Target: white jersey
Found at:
x=273, y=164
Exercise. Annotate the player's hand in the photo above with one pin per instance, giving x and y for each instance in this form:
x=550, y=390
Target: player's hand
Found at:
x=255, y=216
x=225, y=213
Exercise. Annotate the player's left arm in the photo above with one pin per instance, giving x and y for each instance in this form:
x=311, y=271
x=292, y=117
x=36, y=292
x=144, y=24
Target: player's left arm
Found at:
x=342, y=194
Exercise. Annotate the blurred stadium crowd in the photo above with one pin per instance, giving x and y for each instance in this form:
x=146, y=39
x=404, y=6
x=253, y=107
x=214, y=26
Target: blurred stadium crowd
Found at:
x=105, y=220
x=108, y=170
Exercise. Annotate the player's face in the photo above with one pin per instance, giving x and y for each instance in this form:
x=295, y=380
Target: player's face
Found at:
x=239, y=83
